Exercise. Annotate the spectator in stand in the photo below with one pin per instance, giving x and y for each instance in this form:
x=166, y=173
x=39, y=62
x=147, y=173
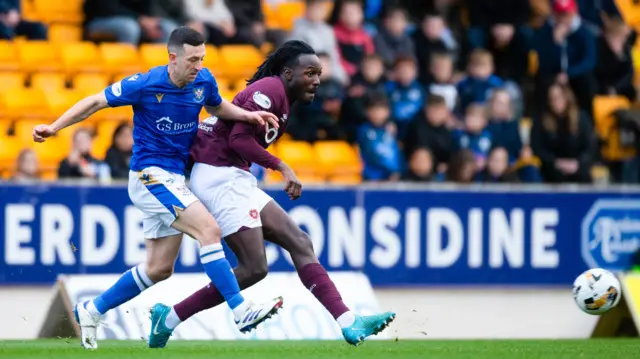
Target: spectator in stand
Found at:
x=474, y=135
x=592, y=12
x=477, y=85
x=614, y=70
x=214, y=19
x=420, y=166
x=497, y=22
x=249, y=21
x=433, y=37
x=564, y=139
x=320, y=119
x=392, y=41
x=27, y=167
x=12, y=24
x=313, y=30
x=440, y=80
x=80, y=163
x=497, y=170
x=504, y=128
x=462, y=167
x=354, y=43
x=119, y=154
x=406, y=94
x=429, y=129
x=128, y=21
x=379, y=148
x=566, y=54
x=369, y=80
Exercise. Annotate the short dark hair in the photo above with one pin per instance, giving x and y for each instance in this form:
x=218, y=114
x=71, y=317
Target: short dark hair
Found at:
x=376, y=99
x=184, y=35
x=436, y=100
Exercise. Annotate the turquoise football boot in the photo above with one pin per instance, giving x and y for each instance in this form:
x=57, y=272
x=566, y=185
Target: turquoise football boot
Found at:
x=366, y=326
x=159, y=332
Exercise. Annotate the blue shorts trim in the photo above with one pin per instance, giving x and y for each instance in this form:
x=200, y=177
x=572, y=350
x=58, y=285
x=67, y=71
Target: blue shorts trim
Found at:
x=168, y=199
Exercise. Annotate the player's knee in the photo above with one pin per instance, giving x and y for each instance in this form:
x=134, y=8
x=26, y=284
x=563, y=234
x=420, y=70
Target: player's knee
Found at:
x=158, y=272
x=258, y=271
x=209, y=233
x=302, y=245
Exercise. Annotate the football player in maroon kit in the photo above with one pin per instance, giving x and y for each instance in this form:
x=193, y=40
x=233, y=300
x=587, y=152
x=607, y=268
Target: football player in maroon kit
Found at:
x=222, y=154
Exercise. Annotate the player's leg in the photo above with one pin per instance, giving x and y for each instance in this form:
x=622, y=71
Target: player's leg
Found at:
x=280, y=229
x=162, y=252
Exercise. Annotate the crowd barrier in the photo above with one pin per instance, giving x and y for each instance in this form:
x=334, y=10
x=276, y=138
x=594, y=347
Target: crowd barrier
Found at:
x=397, y=236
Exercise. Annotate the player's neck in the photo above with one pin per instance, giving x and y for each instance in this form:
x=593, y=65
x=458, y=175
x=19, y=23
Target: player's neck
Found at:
x=174, y=80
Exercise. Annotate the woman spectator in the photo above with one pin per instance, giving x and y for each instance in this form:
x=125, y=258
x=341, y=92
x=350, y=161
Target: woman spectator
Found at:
x=119, y=154
x=27, y=167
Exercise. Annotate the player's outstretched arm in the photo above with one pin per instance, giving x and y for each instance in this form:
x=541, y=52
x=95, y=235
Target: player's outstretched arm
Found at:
x=228, y=111
x=77, y=113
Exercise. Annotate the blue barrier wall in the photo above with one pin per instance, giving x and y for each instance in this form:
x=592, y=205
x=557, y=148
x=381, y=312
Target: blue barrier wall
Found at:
x=436, y=236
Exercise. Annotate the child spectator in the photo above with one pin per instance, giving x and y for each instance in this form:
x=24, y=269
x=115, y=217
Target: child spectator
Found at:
x=429, y=129
x=119, y=154
x=475, y=136
x=378, y=146
x=433, y=37
x=420, y=166
x=440, y=79
x=406, y=93
x=497, y=170
x=504, y=128
x=27, y=167
x=392, y=41
x=354, y=43
x=477, y=85
x=462, y=167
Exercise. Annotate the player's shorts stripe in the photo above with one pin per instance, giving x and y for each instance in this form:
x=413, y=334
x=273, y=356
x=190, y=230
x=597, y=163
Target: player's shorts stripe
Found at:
x=168, y=199
x=136, y=274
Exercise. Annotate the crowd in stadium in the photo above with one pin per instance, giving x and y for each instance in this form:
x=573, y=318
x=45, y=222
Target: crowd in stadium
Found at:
x=427, y=90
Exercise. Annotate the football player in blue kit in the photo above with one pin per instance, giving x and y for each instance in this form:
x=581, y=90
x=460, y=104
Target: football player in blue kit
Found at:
x=166, y=103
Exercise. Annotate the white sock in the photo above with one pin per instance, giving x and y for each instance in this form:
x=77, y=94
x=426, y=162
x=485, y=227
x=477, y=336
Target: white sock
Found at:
x=91, y=308
x=239, y=311
x=346, y=319
x=172, y=320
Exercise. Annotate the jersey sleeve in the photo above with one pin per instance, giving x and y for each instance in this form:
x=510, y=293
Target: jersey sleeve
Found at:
x=213, y=98
x=242, y=140
x=125, y=92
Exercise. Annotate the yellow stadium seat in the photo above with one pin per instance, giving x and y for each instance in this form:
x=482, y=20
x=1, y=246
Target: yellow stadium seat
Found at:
x=106, y=129
x=224, y=84
x=300, y=156
x=51, y=152
x=239, y=85
x=39, y=56
x=120, y=57
x=603, y=108
x=271, y=19
x=9, y=149
x=24, y=103
x=80, y=57
x=5, y=126
x=90, y=82
x=62, y=100
x=11, y=81
x=153, y=55
x=48, y=81
x=60, y=33
x=23, y=128
x=8, y=56
x=213, y=62
x=346, y=179
x=64, y=11
x=337, y=157
x=240, y=60
x=288, y=13
x=49, y=175
x=630, y=11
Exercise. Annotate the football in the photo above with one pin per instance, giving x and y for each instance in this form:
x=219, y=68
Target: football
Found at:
x=596, y=291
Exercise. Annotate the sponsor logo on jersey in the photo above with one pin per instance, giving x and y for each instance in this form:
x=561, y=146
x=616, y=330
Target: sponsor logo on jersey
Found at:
x=166, y=124
x=198, y=94
x=116, y=88
x=133, y=78
x=159, y=97
x=261, y=100
x=611, y=234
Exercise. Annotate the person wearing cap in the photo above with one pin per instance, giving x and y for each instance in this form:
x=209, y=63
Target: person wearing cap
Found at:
x=566, y=54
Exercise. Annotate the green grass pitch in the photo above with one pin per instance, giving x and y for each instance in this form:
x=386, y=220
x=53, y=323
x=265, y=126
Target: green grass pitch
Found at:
x=424, y=349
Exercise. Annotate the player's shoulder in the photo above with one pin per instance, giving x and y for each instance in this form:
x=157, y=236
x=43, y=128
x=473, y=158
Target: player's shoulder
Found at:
x=266, y=90
x=205, y=75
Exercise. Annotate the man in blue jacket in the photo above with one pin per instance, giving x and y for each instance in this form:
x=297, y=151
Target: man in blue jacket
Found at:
x=12, y=24
x=566, y=54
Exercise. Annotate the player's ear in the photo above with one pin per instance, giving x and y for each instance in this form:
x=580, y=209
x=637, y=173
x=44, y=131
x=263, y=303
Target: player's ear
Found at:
x=288, y=74
x=172, y=57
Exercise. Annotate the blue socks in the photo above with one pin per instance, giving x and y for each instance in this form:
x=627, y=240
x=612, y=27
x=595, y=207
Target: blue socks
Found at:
x=133, y=282
x=219, y=271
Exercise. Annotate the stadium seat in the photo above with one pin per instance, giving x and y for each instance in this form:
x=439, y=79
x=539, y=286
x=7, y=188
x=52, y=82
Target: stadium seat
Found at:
x=603, y=108
x=51, y=152
x=5, y=126
x=153, y=55
x=61, y=11
x=61, y=100
x=106, y=129
x=300, y=156
x=48, y=82
x=80, y=57
x=24, y=103
x=630, y=11
x=90, y=82
x=8, y=56
x=240, y=60
x=224, y=84
x=288, y=13
x=41, y=56
x=213, y=62
x=347, y=180
x=61, y=33
x=10, y=147
x=23, y=128
x=11, y=81
x=120, y=57
x=337, y=157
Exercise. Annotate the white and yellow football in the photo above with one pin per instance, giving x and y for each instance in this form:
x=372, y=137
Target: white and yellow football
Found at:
x=596, y=291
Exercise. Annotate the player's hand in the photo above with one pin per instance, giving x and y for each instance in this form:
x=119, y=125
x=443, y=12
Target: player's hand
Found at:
x=41, y=132
x=292, y=186
x=262, y=117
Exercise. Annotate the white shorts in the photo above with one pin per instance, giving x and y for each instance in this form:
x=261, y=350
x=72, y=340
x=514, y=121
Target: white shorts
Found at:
x=231, y=195
x=159, y=195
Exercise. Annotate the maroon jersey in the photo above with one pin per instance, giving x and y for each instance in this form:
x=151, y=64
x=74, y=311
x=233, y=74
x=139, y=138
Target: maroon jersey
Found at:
x=224, y=143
